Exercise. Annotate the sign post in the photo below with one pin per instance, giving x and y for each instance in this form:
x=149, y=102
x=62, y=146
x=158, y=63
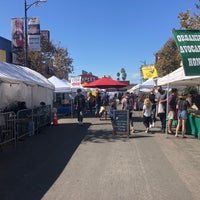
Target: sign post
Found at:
x=121, y=122
x=188, y=42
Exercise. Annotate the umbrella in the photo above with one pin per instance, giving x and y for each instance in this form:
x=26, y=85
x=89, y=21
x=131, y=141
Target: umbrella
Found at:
x=105, y=82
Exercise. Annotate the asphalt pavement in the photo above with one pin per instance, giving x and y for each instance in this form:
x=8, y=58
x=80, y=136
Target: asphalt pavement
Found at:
x=72, y=162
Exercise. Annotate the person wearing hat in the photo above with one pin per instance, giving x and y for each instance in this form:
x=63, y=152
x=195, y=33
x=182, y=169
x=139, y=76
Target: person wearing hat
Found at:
x=182, y=106
x=79, y=103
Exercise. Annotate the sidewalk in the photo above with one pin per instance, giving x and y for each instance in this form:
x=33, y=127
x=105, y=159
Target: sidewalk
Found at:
x=71, y=162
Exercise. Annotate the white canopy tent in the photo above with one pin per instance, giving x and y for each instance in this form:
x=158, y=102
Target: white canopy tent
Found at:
x=19, y=83
x=61, y=86
x=178, y=78
x=145, y=86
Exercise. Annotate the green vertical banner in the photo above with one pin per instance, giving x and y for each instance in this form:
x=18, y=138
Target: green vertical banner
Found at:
x=188, y=42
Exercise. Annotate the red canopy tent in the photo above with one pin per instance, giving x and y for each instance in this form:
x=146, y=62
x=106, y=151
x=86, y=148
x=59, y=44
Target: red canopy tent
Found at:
x=104, y=83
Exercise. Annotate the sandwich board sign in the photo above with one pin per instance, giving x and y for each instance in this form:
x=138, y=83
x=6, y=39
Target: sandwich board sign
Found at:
x=121, y=122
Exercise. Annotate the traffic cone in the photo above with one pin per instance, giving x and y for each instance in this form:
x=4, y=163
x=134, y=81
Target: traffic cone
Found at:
x=55, y=120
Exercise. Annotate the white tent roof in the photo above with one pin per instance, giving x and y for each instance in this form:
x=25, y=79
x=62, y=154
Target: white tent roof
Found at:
x=61, y=86
x=19, y=83
x=145, y=86
x=178, y=78
x=11, y=73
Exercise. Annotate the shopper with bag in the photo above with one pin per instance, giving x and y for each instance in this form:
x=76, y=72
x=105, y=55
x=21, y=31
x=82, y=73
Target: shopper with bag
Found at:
x=161, y=99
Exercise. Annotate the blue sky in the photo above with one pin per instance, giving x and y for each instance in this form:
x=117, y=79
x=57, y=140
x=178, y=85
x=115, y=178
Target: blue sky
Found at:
x=104, y=36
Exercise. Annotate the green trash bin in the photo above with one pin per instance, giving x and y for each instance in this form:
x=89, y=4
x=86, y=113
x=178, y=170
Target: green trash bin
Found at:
x=197, y=126
x=188, y=125
x=174, y=122
x=193, y=125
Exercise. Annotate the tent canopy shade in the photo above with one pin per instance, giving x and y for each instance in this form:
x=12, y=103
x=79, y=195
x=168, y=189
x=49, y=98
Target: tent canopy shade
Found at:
x=61, y=86
x=145, y=86
x=178, y=78
x=105, y=82
x=19, y=83
x=11, y=73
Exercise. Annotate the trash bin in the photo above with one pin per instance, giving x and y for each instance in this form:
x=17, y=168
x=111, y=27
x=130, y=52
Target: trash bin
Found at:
x=193, y=125
x=189, y=125
x=174, y=122
x=197, y=126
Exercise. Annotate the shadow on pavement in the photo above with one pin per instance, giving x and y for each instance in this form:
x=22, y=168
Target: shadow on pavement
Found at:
x=107, y=136
x=30, y=169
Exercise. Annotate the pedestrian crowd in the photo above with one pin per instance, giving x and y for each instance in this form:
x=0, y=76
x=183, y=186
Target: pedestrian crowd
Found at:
x=158, y=107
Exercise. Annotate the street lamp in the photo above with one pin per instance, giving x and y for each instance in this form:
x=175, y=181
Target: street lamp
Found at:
x=26, y=7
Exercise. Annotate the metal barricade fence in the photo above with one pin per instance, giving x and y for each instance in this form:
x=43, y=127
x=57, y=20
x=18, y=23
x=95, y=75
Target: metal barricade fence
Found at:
x=25, y=122
x=7, y=127
x=45, y=116
x=30, y=120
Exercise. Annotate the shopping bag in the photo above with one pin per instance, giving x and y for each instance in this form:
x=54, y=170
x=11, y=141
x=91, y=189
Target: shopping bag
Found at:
x=160, y=108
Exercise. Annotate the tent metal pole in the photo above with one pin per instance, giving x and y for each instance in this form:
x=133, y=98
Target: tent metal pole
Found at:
x=167, y=108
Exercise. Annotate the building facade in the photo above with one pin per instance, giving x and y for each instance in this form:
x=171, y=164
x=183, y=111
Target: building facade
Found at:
x=5, y=50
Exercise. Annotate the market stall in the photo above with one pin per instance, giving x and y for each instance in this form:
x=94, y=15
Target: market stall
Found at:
x=21, y=84
x=176, y=79
x=23, y=92
x=62, y=95
x=145, y=86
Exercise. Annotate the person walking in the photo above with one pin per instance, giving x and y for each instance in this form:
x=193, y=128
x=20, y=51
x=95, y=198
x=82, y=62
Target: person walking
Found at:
x=105, y=104
x=182, y=107
x=98, y=103
x=127, y=104
x=113, y=107
x=90, y=101
x=153, y=107
x=172, y=100
x=146, y=113
x=79, y=103
x=161, y=99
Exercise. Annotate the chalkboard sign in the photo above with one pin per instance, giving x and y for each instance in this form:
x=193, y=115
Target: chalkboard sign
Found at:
x=121, y=122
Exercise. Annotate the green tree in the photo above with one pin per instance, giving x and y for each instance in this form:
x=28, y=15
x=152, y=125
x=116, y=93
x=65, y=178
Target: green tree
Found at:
x=51, y=60
x=62, y=63
x=123, y=73
x=187, y=21
x=168, y=58
x=118, y=76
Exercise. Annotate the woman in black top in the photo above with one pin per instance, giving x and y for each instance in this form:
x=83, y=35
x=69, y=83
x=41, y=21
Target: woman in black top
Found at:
x=182, y=106
x=153, y=107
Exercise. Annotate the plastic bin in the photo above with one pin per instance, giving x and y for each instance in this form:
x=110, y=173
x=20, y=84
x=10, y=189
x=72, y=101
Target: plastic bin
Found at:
x=197, y=126
x=192, y=122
